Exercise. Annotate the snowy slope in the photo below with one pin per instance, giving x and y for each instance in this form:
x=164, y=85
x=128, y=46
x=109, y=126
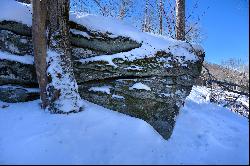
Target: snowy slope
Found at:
x=16, y=11
x=204, y=134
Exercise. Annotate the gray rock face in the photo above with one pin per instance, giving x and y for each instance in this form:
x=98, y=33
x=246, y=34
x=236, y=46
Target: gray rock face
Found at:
x=15, y=27
x=142, y=88
x=99, y=42
x=102, y=42
x=158, y=104
x=12, y=72
x=15, y=44
x=13, y=94
x=148, y=66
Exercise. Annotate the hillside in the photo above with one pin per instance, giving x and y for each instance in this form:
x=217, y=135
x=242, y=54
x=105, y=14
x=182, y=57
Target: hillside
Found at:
x=140, y=103
x=204, y=134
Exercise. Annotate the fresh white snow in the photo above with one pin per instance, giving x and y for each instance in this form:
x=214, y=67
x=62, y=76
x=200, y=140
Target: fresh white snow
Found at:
x=77, y=32
x=134, y=67
x=118, y=97
x=26, y=59
x=105, y=24
x=204, y=134
x=16, y=11
x=140, y=85
x=69, y=98
x=103, y=89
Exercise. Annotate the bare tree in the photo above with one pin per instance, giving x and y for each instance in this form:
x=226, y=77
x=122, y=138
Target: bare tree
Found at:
x=157, y=16
x=106, y=8
x=147, y=21
x=125, y=6
x=40, y=46
x=194, y=33
x=161, y=8
x=61, y=91
x=62, y=88
x=180, y=20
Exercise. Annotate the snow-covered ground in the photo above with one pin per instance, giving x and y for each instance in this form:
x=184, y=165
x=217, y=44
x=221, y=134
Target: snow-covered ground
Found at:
x=205, y=133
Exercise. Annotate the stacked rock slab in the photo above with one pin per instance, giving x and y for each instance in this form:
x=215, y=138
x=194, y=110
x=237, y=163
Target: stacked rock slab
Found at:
x=157, y=100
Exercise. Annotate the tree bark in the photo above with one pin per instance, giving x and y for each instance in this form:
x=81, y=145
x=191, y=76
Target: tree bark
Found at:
x=160, y=18
x=180, y=20
x=62, y=88
x=145, y=26
x=40, y=46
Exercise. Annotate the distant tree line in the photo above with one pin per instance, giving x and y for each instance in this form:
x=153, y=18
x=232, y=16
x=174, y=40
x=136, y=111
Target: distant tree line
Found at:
x=227, y=74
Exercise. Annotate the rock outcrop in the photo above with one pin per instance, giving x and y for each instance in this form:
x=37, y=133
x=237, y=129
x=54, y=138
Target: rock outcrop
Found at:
x=152, y=88
x=15, y=94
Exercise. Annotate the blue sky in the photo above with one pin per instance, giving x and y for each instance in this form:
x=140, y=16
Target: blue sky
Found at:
x=226, y=25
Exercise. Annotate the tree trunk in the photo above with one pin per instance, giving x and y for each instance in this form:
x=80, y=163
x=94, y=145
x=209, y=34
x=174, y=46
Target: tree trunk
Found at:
x=122, y=10
x=180, y=20
x=40, y=46
x=145, y=25
x=160, y=18
x=62, y=88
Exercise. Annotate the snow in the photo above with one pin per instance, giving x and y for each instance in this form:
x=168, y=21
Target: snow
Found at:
x=140, y=85
x=25, y=59
x=104, y=25
x=118, y=97
x=244, y=101
x=105, y=58
x=205, y=133
x=103, y=89
x=13, y=48
x=62, y=80
x=15, y=11
x=77, y=32
x=134, y=67
x=167, y=94
x=150, y=43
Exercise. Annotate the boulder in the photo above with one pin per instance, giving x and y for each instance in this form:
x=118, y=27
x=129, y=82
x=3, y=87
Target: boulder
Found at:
x=152, y=87
x=104, y=42
x=16, y=27
x=156, y=100
x=13, y=94
x=12, y=72
x=15, y=44
x=80, y=37
x=149, y=66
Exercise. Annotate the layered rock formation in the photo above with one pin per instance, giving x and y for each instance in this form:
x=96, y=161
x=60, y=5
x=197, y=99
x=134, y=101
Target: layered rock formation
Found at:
x=152, y=87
